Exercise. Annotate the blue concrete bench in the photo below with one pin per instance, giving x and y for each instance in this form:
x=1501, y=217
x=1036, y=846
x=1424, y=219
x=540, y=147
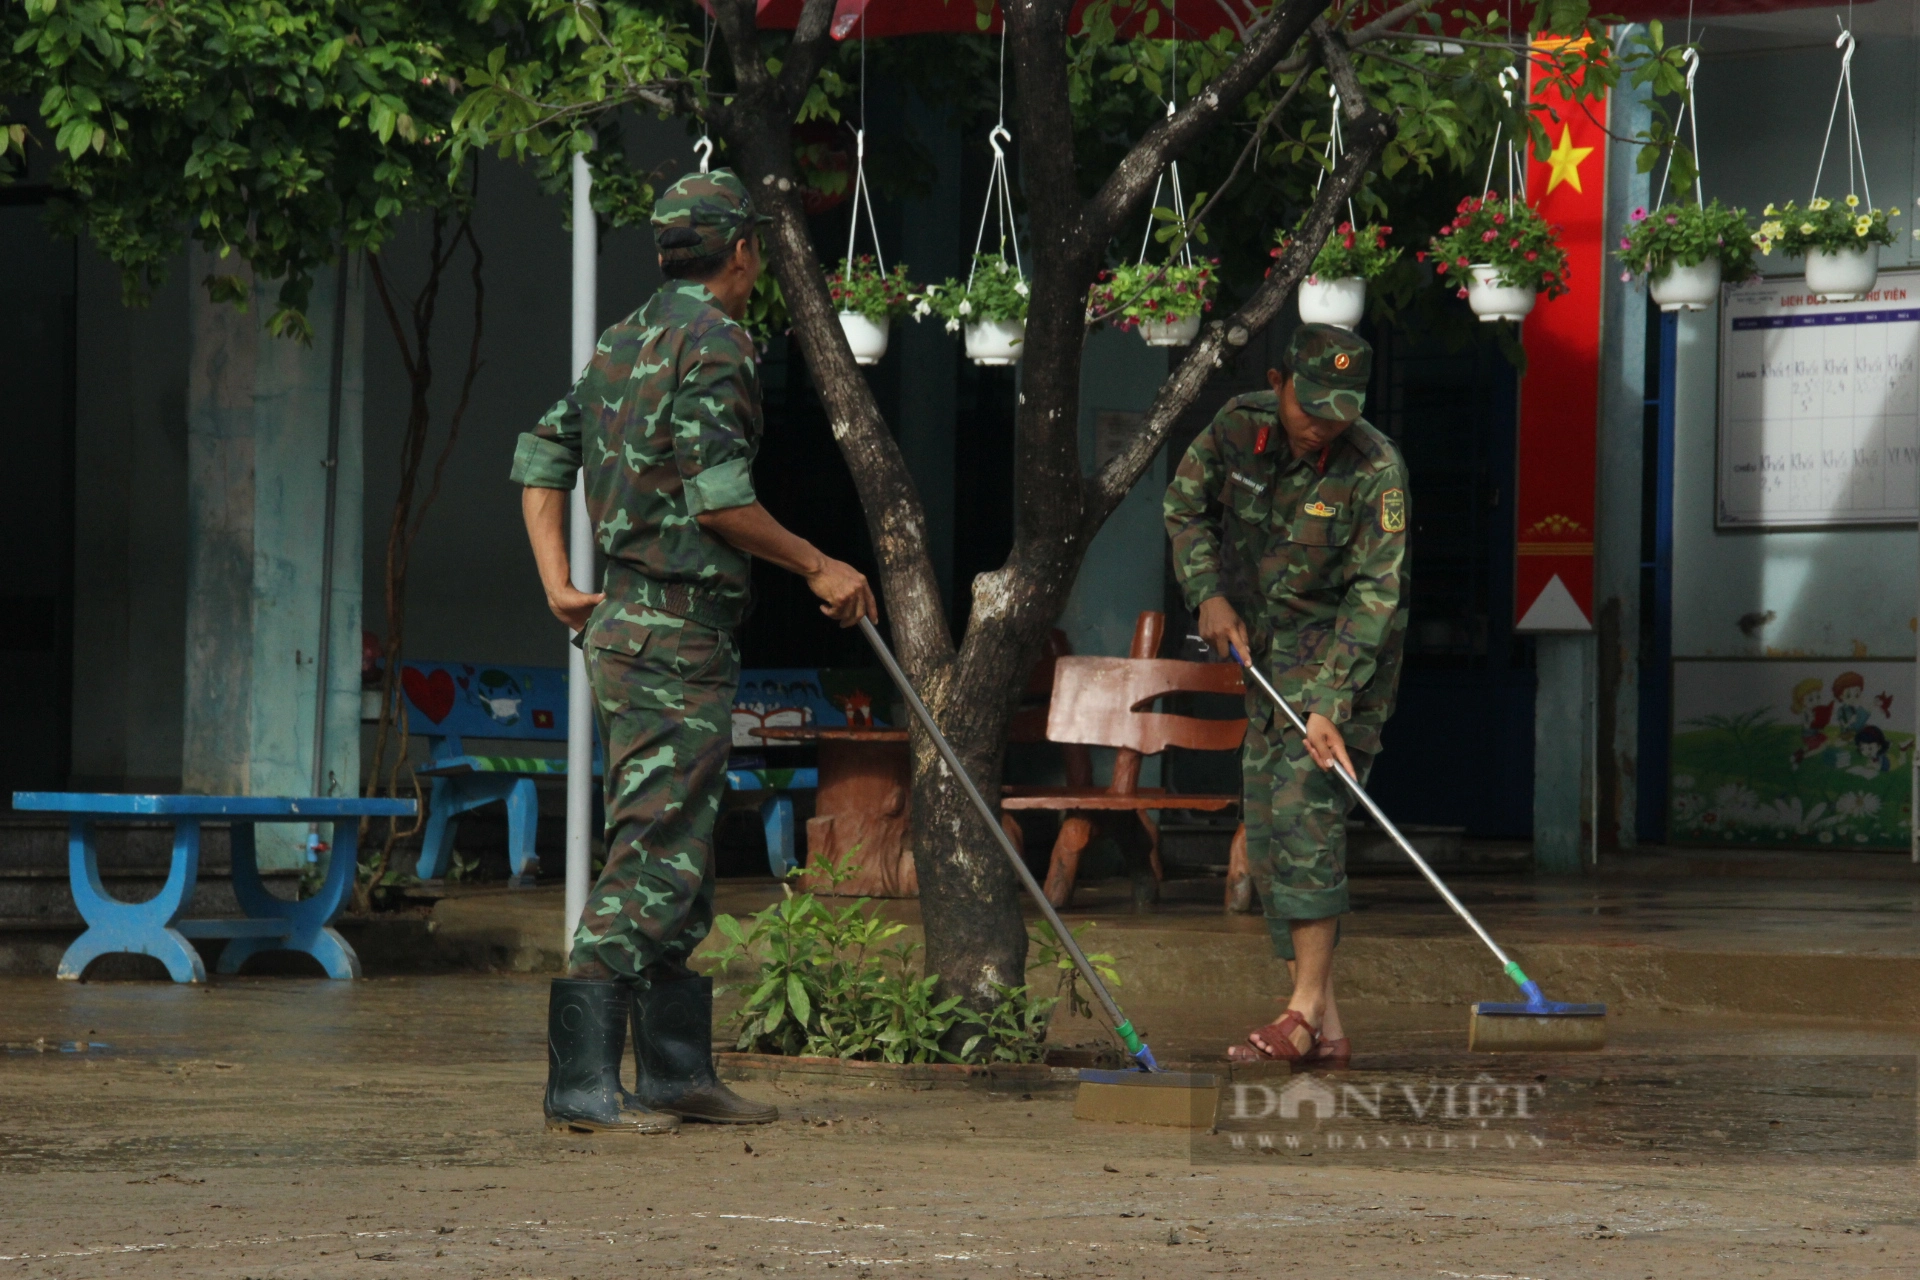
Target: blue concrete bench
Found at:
x=154, y=927
x=450, y=702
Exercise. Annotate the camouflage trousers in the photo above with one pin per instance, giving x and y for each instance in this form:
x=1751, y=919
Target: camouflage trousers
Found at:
x=663, y=701
x=1296, y=816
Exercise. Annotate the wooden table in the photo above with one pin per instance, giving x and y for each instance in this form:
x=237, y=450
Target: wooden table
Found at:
x=862, y=812
x=154, y=927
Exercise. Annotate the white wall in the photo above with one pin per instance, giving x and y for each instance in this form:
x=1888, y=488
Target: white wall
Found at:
x=1836, y=593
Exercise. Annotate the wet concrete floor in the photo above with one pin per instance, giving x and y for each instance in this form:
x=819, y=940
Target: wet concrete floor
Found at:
x=270, y=1127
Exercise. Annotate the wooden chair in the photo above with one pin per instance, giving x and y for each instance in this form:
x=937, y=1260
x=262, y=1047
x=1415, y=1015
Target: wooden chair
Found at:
x=1107, y=702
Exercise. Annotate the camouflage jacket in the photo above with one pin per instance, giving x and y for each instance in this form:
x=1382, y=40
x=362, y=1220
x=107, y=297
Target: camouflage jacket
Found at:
x=667, y=420
x=1312, y=553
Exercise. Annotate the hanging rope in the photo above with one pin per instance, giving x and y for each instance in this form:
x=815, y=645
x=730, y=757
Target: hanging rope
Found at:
x=999, y=188
x=703, y=145
x=862, y=197
x=1691, y=116
x=1856, y=154
x=1337, y=147
x=1170, y=176
x=1508, y=76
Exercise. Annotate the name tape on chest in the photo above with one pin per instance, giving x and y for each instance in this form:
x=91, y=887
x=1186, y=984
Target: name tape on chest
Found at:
x=1241, y=478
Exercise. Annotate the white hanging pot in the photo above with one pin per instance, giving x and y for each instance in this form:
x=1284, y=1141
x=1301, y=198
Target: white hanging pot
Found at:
x=1693, y=288
x=1844, y=276
x=1492, y=300
x=1342, y=301
x=868, y=340
x=1170, y=333
x=997, y=342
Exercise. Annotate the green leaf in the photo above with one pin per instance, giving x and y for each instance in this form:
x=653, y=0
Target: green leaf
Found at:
x=797, y=999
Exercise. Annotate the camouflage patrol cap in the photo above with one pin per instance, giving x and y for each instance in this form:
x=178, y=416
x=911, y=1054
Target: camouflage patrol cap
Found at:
x=1330, y=368
x=701, y=214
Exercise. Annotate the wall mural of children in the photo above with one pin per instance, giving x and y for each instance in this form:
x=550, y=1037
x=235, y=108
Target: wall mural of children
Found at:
x=1792, y=753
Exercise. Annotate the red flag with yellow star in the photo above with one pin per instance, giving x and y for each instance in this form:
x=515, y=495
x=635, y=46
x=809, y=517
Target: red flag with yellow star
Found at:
x=1560, y=395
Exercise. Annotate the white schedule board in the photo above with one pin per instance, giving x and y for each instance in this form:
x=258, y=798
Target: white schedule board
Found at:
x=1818, y=408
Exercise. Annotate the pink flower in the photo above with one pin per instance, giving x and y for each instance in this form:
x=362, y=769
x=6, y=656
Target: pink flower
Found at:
x=1625, y=243
x=1531, y=255
x=1625, y=276
x=1639, y=214
x=1461, y=294
x=1489, y=236
x=1671, y=219
x=1499, y=219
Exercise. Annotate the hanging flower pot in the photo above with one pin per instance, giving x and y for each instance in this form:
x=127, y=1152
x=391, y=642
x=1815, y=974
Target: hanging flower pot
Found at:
x=1842, y=275
x=1686, y=250
x=868, y=340
x=1500, y=255
x=1171, y=333
x=1693, y=288
x=991, y=305
x=1335, y=290
x=1493, y=299
x=1839, y=239
x=1165, y=301
x=1342, y=302
x=996, y=342
x=869, y=299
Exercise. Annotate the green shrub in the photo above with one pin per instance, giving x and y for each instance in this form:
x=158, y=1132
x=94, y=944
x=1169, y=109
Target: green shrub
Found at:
x=1686, y=235
x=997, y=292
x=865, y=289
x=1509, y=235
x=1836, y=227
x=1153, y=293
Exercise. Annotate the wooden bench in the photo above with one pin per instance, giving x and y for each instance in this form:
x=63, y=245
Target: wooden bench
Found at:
x=154, y=927
x=1108, y=702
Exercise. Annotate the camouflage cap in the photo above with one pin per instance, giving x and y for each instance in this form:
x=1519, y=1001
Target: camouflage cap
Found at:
x=701, y=214
x=1330, y=368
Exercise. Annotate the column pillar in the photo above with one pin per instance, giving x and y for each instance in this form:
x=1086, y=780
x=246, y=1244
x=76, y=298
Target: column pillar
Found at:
x=257, y=434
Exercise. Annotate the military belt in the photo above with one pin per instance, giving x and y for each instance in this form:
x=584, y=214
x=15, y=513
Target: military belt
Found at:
x=720, y=610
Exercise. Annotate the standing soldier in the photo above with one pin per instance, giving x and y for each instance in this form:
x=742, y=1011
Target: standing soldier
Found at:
x=667, y=420
x=1288, y=518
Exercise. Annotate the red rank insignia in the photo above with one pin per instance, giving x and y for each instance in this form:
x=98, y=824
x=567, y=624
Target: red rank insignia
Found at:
x=1260, y=441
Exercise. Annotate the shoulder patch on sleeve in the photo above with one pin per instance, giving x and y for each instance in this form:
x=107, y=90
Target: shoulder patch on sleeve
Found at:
x=1393, y=510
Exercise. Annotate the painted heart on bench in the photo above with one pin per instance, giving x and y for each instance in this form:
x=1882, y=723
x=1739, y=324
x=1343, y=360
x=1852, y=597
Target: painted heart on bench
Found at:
x=430, y=692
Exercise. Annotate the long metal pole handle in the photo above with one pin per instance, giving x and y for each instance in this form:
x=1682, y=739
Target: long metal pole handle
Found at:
x=946, y=751
x=1373, y=810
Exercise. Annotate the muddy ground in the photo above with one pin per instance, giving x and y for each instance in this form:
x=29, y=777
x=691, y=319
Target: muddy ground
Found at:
x=289, y=1128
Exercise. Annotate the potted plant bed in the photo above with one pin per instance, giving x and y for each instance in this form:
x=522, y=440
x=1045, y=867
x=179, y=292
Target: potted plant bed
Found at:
x=1163, y=301
x=1335, y=290
x=868, y=299
x=990, y=305
x=1686, y=250
x=1840, y=240
x=1501, y=256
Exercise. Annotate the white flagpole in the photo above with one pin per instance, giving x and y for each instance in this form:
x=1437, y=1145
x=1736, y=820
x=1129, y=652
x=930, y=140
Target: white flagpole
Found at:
x=580, y=557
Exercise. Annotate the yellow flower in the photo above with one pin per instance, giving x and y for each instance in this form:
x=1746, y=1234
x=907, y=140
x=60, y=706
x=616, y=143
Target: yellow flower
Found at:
x=1806, y=228
x=1818, y=203
x=1853, y=202
x=1862, y=225
x=1769, y=211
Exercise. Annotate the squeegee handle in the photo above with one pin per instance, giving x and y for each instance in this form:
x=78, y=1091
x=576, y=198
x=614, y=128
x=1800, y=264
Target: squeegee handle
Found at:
x=1123, y=1027
x=1386, y=824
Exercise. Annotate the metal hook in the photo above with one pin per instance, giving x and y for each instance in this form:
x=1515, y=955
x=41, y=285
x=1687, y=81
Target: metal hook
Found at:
x=703, y=148
x=1692, y=58
x=1507, y=75
x=993, y=140
x=1844, y=41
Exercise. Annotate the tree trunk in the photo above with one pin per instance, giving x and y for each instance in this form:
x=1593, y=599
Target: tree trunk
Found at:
x=971, y=899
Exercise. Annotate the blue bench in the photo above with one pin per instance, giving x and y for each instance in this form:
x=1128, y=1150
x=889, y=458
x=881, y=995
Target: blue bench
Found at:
x=154, y=927
x=450, y=702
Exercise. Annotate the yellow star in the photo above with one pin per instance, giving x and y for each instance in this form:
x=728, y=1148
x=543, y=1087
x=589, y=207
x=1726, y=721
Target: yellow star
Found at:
x=1565, y=160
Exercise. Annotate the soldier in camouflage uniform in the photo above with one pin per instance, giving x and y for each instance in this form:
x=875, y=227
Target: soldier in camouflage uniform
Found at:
x=1288, y=518
x=665, y=422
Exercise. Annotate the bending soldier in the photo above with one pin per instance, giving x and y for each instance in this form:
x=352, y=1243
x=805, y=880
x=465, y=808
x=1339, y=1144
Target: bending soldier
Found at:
x=667, y=419
x=1288, y=518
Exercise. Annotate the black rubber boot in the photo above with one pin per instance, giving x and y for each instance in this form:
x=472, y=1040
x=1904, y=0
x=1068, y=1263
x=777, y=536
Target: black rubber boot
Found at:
x=586, y=1030
x=673, y=1056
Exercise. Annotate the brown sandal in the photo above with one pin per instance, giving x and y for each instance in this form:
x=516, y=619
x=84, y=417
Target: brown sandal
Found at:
x=1274, y=1042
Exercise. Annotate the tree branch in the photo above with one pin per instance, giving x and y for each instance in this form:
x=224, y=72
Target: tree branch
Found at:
x=1367, y=132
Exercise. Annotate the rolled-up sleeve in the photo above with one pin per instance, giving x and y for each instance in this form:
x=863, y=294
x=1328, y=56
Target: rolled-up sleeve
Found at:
x=548, y=457
x=712, y=407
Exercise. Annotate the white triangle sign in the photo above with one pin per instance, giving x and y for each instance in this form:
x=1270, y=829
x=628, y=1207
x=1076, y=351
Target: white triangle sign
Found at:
x=1554, y=609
